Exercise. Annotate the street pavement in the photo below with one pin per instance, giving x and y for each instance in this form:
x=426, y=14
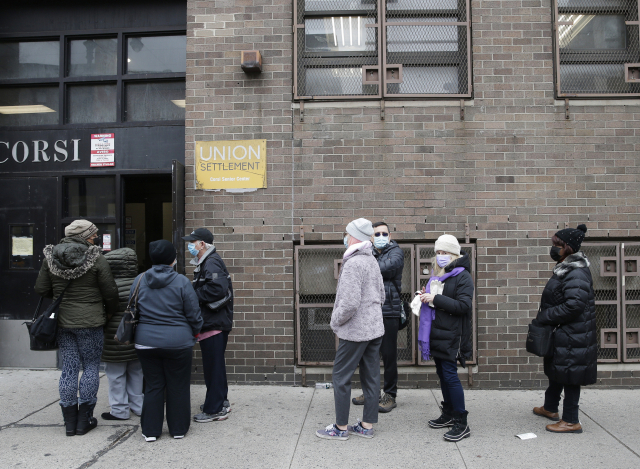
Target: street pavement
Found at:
x=274, y=427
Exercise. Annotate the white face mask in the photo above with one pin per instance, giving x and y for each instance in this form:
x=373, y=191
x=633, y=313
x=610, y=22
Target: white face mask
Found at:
x=346, y=241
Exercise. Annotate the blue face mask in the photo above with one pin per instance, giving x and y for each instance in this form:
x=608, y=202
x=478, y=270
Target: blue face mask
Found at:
x=346, y=241
x=443, y=260
x=380, y=241
x=192, y=249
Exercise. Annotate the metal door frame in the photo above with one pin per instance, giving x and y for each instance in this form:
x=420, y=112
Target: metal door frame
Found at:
x=297, y=305
x=616, y=302
x=624, y=331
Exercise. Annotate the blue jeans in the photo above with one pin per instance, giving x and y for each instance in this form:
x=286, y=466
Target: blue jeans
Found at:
x=80, y=347
x=452, y=391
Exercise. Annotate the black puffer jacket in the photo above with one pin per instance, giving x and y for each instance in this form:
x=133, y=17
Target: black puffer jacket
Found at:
x=211, y=283
x=568, y=301
x=451, y=329
x=391, y=262
x=124, y=267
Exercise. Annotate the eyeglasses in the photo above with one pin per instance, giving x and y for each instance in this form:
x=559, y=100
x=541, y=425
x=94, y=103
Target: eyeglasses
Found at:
x=381, y=234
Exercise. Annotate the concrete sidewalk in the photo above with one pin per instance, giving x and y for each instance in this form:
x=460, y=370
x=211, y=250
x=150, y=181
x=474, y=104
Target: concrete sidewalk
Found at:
x=274, y=427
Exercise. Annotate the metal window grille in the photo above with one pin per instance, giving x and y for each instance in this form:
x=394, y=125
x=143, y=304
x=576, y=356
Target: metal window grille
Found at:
x=425, y=254
x=317, y=269
x=616, y=281
x=375, y=48
x=597, y=48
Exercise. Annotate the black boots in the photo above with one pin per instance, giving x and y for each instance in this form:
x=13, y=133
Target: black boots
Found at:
x=445, y=420
x=70, y=415
x=86, y=420
x=460, y=428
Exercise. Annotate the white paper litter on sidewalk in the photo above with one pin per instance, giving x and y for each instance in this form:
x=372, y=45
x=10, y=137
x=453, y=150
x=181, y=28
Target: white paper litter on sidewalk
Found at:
x=527, y=436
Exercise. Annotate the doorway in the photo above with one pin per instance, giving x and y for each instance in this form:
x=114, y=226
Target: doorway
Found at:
x=148, y=214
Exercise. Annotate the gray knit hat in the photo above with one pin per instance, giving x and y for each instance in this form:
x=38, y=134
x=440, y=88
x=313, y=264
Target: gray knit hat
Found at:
x=360, y=229
x=81, y=229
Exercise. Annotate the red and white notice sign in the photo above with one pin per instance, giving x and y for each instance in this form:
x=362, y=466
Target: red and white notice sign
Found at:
x=102, y=150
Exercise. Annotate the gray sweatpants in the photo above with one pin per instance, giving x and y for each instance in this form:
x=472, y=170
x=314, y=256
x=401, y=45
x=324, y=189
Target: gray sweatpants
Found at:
x=125, y=388
x=348, y=356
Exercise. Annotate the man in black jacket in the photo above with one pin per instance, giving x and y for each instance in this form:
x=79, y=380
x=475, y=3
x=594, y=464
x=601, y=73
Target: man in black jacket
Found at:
x=391, y=262
x=212, y=284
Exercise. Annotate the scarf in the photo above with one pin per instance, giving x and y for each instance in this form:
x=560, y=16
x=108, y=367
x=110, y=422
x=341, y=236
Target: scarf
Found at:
x=428, y=314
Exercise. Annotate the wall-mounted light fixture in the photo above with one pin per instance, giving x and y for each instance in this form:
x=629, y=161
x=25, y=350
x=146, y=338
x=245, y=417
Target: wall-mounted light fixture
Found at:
x=251, y=61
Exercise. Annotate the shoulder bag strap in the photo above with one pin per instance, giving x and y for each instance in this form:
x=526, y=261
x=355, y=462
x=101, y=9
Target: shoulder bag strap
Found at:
x=134, y=297
x=35, y=315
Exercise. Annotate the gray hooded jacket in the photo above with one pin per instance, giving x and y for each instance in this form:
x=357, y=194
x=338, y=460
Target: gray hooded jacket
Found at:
x=169, y=310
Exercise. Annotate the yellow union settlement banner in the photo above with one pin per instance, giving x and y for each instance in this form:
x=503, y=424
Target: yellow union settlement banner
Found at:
x=227, y=164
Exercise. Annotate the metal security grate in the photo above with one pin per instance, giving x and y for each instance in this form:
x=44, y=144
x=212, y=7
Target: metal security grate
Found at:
x=605, y=259
x=335, y=42
x=317, y=270
x=370, y=48
x=630, y=267
x=427, y=48
x=425, y=255
x=597, y=47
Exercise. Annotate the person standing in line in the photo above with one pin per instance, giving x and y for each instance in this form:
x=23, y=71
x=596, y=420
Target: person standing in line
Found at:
x=78, y=265
x=445, y=330
x=122, y=366
x=212, y=284
x=391, y=262
x=357, y=321
x=169, y=320
x=568, y=303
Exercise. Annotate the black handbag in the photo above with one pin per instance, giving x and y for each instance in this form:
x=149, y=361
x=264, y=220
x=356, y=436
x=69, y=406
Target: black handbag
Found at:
x=126, y=332
x=43, y=329
x=540, y=339
x=35, y=344
x=405, y=312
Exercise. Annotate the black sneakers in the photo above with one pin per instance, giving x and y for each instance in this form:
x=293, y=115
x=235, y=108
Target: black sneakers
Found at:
x=460, y=428
x=445, y=419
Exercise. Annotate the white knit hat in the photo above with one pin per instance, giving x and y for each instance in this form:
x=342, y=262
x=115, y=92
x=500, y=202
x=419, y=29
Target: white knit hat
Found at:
x=361, y=229
x=449, y=244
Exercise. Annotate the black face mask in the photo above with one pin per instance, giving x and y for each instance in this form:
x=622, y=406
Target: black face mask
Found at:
x=555, y=253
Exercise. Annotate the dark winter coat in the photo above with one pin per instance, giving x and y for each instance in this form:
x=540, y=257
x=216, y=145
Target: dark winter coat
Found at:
x=169, y=311
x=211, y=283
x=451, y=337
x=124, y=267
x=391, y=262
x=568, y=301
x=92, y=289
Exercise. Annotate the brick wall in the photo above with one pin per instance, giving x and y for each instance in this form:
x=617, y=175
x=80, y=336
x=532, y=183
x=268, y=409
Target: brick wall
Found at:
x=514, y=169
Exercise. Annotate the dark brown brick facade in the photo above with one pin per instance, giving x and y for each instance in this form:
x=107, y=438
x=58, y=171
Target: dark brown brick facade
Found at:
x=515, y=169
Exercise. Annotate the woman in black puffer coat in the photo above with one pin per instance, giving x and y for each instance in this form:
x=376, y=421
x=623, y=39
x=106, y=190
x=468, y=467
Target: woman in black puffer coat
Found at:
x=568, y=303
x=450, y=337
x=123, y=368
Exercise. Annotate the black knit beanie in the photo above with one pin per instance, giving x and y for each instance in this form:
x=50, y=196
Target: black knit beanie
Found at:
x=162, y=252
x=572, y=236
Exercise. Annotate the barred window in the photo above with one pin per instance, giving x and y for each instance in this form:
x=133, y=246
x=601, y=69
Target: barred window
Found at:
x=381, y=48
x=596, y=48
